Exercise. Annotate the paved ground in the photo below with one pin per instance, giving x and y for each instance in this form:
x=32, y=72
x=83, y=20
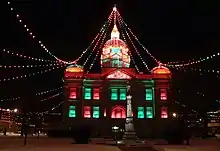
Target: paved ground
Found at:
x=45, y=144
x=196, y=145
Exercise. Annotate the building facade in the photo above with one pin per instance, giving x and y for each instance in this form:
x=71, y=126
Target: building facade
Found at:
x=99, y=100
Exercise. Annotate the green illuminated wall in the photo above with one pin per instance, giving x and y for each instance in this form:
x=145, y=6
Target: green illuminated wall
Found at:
x=72, y=111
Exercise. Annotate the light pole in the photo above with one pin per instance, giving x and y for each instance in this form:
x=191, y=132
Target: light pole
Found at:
x=129, y=133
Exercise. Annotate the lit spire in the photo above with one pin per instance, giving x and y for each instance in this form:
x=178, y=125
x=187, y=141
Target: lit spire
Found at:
x=115, y=32
x=114, y=8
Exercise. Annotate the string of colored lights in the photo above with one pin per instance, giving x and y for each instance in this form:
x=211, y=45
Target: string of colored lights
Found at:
x=53, y=108
x=48, y=91
x=44, y=47
x=31, y=74
x=201, y=71
x=124, y=23
x=94, y=48
x=10, y=99
x=102, y=43
x=33, y=36
x=183, y=105
x=129, y=51
x=51, y=97
x=28, y=57
x=120, y=20
x=104, y=30
x=191, y=62
x=29, y=66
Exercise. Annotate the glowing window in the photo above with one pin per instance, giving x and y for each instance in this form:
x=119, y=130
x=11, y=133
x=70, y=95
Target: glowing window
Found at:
x=114, y=94
x=87, y=94
x=96, y=94
x=148, y=94
x=118, y=112
x=140, y=112
x=163, y=94
x=122, y=95
x=115, y=62
x=115, y=50
x=87, y=112
x=149, y=112
x=164, y=113
x=95, y=112
x=72, y=111
x=72, y=93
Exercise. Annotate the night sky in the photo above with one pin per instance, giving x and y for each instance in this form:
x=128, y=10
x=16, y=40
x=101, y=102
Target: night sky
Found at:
x=171, y=30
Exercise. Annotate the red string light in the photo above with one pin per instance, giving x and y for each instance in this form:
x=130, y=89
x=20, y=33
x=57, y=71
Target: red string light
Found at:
x=44, y=47
x=99, y=39
x=120, y=20
x=129, y=51
x=102, y=43
x=123, y=22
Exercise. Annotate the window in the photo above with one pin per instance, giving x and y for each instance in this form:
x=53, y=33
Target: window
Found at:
x=95, y=112
x=116, y=50
x=149, y=112
x=140, y=112
x=87, y=112
x=87, y=94
x=122, y=94
x=118, y=112
x=72, y=111
x=96, y=94
x=164, y=113
x=114, y=94
x=148, y=94
x=72, y=93
x=163, y=94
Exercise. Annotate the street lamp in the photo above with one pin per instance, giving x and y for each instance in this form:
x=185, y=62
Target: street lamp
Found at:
x=174, y=114
x=15, y=110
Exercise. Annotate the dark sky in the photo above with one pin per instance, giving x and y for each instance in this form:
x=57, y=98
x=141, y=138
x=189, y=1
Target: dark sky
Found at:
x=171, y=30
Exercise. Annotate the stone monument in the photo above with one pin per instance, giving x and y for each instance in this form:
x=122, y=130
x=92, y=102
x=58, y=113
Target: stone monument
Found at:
x=129, y=133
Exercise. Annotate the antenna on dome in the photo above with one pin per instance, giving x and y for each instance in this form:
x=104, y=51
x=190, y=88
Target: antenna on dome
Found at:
x=114, y=12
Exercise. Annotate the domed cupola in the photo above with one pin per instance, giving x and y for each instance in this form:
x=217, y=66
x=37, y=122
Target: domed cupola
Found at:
x=115, y=52
x=161, y=70
x=74, y=68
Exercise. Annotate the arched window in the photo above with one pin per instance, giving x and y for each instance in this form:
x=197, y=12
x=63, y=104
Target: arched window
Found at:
x=118, y=112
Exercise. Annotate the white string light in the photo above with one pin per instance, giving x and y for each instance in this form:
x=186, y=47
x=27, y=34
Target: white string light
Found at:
x=30, y=74
x=48, y=91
